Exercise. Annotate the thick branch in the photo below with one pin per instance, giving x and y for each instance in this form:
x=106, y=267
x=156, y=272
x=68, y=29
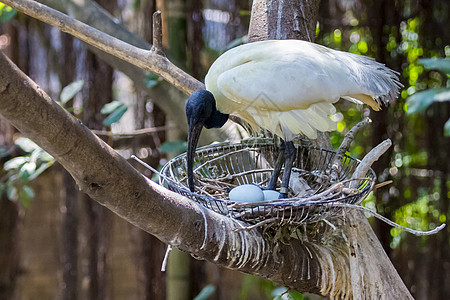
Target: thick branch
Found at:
x=370, y=158
x=164, y=94
x=110, y=180
x=153, y=62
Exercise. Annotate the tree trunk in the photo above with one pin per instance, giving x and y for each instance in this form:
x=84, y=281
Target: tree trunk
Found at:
x=273, y=19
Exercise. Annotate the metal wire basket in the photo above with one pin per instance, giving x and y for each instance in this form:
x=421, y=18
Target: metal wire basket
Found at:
x=220, y=167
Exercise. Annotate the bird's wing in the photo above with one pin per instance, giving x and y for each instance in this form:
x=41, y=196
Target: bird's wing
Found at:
x=286, y=75
x=276, y=85
x=288, y=124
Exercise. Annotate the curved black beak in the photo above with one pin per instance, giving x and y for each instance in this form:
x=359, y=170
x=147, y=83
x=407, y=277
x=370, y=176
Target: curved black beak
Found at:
x=193, y=136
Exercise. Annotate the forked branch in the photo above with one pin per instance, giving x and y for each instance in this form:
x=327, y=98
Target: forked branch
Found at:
x=149, y=60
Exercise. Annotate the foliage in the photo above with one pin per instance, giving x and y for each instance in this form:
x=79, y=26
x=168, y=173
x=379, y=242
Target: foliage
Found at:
x=417, y=196
x=173, y=147
x=419, y=102
x=20, y=170
x=282, y=293
x=69, y=91
x=6, y=13
x=205, y=292
x=151, y=80
x=115, y=111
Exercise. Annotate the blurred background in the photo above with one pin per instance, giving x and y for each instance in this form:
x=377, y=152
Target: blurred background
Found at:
x=56, y=243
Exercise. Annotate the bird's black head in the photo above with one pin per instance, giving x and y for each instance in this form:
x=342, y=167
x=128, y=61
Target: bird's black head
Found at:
x=200, y=111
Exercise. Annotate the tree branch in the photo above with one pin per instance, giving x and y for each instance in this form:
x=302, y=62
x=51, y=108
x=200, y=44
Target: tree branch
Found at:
x=320, y=265
x=153, y=62
x=108, y=179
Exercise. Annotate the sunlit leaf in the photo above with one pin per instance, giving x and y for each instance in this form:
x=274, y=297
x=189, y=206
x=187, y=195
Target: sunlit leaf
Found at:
x=441, y=64
x=111, y=106
x=41, y=169
x=26, y=170
x=70, y=91
x=420, y=101
x=6, y=13
x=205, y=292
x=15, y=163
x=115, y=115
x=40, y=155
x=447, y=128
x=26, y=144
x=173, y=147
x=295, y=295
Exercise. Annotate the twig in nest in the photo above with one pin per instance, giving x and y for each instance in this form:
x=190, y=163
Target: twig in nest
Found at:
x=222, y=156
x=380, y=185
x=369, y=159
x=231, y=176
x=345, y=145
x=255, y=225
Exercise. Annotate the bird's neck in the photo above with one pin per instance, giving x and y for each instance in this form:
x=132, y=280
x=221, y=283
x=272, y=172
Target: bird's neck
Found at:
x=216, y=120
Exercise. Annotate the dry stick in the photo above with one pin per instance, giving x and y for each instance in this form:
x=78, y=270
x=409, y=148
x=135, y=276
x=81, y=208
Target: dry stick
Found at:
x=389, y=222
x=369, y=159
x=148, y=60
x=222, y=156
x=157, y=34
x=345, y=145
x=247, y=228
x=137, y=132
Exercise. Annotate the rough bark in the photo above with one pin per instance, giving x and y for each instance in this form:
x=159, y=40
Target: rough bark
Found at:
x=164, y=95
x=110, y=180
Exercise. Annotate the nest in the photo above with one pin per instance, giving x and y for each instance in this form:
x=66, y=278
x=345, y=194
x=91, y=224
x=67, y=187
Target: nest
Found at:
x=315, y=187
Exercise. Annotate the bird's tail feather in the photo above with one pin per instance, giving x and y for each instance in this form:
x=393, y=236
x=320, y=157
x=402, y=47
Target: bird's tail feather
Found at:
x=363, y=98
x=303, y=121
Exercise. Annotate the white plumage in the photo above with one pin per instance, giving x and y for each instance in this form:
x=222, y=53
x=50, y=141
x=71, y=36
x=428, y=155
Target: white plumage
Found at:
x=289, y=86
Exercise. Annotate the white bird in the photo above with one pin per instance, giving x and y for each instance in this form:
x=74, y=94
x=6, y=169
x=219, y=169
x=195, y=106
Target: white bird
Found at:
x=287, y=87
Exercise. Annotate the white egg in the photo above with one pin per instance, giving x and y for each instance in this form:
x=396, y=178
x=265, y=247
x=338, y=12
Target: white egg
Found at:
x=246, y=193
x=270, y=195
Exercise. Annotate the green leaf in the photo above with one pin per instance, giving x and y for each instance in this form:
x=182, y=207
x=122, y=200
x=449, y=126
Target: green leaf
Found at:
x=441, y=64
x=39, y=155
x=15, y=163
x=295, y=295
x=175, y=146
x=26, y=144
x=26, y=194
x=447, y=128
x=420, y=101
x=205, y=292
x=111, y=106
x=6, y=13
x=69, y=91
x=11, y=192
x=115, y=116
x=151, y=80
x=4, y=151
x=26, y=170
x=41, y=169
